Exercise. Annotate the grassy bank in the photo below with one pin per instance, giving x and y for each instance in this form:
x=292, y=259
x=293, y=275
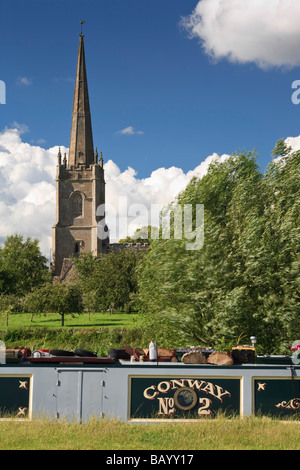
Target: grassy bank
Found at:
x=98, y=332
x=97, y=340
x=84, y=320
x=220, y=434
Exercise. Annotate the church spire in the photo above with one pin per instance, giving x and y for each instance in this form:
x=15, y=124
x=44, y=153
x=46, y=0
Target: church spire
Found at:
x=81, y=150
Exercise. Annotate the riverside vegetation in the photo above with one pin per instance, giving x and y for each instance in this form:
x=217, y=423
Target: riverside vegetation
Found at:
x=244, y=280
x=108, y=331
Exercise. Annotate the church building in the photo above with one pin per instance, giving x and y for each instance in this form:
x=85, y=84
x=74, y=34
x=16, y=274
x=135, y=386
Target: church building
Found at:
x=80, y=185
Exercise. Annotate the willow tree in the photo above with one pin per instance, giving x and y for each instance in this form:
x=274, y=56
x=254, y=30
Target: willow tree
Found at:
x=225, y=291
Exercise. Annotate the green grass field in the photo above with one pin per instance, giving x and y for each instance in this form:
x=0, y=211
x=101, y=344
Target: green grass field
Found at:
x=98, y=332
x=53, y=320
x=219, y=434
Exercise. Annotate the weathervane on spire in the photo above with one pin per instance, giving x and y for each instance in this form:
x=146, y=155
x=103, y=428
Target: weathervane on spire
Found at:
x=81, y=23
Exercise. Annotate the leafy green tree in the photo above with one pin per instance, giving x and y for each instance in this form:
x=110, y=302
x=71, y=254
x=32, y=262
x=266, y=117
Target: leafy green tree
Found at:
x=54, y=297
x=108, y=282
x=279, y=255
x=90, y=301
x=64, y=299
x=245, y=279
x=8, y=280
x=22, y=266
x=8, y=303
x=37, y=300
x=281, y=149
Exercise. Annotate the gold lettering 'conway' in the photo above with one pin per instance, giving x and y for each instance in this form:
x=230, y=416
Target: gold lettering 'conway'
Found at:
x=152, y=392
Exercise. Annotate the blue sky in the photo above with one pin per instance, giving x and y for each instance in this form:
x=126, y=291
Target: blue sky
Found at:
x=143, y=72
x=188, y=79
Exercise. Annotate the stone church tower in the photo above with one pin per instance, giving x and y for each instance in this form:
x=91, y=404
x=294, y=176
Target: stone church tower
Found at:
x=80, y=185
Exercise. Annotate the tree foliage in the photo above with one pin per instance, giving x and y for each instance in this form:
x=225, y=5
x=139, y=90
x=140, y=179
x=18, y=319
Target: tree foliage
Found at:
x=64, y=299
x=54, y=297
x=245, y=279
x=108, y=282
x=141, y=235
x=22, y=266
x=8, y=303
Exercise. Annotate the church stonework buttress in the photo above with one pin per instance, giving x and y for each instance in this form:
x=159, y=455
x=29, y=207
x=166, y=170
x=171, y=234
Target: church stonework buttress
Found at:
x=80, y=185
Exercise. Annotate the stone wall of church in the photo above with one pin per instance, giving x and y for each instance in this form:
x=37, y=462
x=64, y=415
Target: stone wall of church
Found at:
x=79, y=192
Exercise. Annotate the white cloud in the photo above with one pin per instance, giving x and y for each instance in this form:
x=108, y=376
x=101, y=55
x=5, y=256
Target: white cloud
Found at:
x=129, y=131
x=27, y=188
x=161, y=188
x=28, y=191
x=22, y=128
x=41, y=141
x=24, y=81
x=265, y=32
x=293, y=142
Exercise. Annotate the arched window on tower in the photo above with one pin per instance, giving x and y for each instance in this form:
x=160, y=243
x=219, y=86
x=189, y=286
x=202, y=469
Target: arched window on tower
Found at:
x=77, y=205
x=77, y=249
